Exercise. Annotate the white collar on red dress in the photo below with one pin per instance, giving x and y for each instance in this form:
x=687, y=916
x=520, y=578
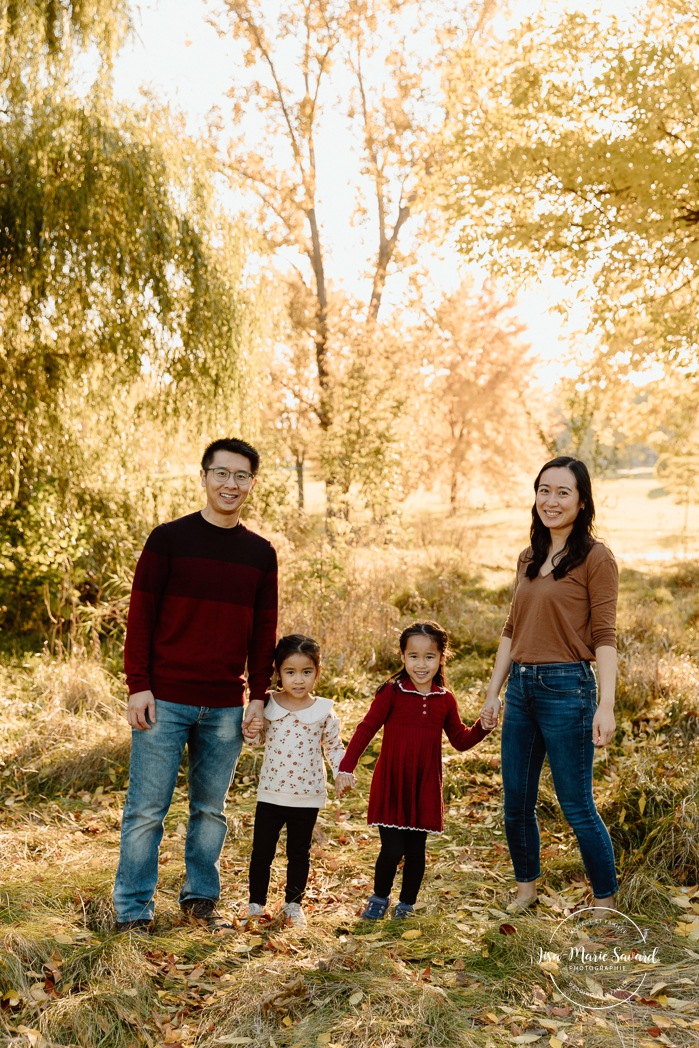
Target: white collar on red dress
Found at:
x=409, y=688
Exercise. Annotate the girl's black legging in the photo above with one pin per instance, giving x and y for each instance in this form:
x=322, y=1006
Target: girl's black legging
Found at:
x=396, y=844
x=269, y=819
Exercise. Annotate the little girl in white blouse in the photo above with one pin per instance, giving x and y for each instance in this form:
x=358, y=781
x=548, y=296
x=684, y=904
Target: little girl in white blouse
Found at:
x=298, y=728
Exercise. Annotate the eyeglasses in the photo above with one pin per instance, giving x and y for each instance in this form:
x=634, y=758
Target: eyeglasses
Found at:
x=242, y=479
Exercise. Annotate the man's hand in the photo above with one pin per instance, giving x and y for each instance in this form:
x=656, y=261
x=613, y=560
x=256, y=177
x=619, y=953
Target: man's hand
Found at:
x=255, y=708
x=253, y=727
x=140, y=712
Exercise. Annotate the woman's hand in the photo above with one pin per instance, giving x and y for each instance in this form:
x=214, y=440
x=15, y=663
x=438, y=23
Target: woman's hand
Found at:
x=490, y=712
x=501, y=670
x=603, y=725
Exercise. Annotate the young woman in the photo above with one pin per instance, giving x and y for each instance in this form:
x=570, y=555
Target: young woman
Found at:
x=405, y=800
x=562, y=616
x=299, y=728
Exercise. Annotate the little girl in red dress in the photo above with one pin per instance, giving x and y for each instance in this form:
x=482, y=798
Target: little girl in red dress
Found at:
x=405, y=800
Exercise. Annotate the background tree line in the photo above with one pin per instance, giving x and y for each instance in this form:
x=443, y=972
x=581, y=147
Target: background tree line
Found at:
x=143, y=313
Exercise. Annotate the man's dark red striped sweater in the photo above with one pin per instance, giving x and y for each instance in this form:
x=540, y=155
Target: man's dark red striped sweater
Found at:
x=203, y=604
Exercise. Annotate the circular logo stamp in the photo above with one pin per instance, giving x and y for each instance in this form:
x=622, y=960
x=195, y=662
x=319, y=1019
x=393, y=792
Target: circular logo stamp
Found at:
x=598, y=962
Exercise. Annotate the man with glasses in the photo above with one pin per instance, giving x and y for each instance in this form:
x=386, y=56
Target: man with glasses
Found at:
x=203, y=608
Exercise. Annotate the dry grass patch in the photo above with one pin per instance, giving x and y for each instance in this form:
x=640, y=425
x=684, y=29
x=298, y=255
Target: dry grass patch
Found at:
x=463, y=972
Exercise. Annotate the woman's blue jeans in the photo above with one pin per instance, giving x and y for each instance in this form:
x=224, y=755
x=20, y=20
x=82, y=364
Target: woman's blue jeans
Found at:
x=214, y=739
x=548, y=713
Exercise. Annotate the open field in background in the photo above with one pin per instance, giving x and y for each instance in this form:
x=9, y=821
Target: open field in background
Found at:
x=464, y=972
x=637, y=517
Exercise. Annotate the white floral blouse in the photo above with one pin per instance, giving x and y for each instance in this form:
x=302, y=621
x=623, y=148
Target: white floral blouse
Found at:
x=293, y=772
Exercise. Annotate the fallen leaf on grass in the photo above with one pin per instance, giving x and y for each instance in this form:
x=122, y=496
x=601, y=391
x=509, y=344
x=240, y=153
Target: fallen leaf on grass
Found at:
x=33, y=1036
x=355, y=998
x=594, y=987
x=414, y=933
x=678, y=1005
x=280, y=946
x=436, y=990
x=688, y=929
x=233, y=1039
x=555, y=1042
x=526, y=1038
x=507, y=929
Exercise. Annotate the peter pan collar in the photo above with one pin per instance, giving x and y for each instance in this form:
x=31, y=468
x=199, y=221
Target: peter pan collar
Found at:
x=310, y=715
x=409, y=688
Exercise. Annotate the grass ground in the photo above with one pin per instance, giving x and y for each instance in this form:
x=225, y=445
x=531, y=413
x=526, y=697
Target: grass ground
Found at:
x=466, y=971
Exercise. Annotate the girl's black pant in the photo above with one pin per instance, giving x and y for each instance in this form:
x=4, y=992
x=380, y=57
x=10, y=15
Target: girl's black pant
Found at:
x=269, y=820
x=396, y=845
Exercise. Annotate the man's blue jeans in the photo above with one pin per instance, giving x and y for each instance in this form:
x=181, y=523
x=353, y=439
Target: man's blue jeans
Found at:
x=214, y=739
x=548, y=712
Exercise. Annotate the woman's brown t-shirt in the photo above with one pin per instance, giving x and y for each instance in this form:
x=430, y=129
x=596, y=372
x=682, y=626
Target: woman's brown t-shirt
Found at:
x=564, y=620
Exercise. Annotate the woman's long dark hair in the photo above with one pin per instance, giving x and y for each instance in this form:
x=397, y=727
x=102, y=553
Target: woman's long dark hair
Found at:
x=581, y=538
x=435, y=633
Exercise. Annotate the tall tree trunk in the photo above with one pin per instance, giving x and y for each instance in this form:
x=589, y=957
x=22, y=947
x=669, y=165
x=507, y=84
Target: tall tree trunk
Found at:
x=299, y=483
x=453, y=492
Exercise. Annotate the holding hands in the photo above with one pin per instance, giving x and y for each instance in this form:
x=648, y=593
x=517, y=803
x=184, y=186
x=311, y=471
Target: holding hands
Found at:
x=344, y=781
x=490, y=712
x=253, y=726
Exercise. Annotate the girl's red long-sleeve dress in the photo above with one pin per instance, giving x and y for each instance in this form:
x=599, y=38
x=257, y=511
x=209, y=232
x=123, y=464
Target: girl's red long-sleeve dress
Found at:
x=406, y=788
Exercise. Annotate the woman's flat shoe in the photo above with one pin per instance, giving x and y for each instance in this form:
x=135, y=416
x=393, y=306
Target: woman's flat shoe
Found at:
x=522, y=907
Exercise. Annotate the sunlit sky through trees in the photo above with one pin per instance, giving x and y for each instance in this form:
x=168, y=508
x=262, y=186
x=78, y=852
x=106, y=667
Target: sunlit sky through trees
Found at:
x=179, y=58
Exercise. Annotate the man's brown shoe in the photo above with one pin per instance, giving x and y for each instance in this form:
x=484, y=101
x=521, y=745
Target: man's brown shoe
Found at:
x=141, y=926
x=204, y=912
